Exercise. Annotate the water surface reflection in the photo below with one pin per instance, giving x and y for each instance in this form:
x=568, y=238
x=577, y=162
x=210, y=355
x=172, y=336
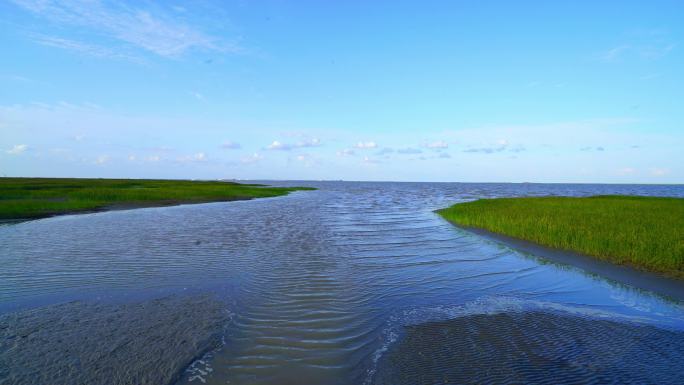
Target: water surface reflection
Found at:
x=329, y=285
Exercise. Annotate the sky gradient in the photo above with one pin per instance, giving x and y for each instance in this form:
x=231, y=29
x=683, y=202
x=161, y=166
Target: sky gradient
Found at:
x=467, y=91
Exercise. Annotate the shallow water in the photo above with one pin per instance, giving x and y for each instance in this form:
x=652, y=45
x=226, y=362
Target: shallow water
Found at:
x=141, y=343
x=329, y=286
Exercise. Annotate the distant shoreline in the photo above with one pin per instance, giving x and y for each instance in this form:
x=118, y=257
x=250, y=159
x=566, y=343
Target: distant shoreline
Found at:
x=121, y=207
x=23, y=199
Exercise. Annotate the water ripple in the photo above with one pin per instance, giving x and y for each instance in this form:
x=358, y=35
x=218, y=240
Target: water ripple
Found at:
x=331, y=285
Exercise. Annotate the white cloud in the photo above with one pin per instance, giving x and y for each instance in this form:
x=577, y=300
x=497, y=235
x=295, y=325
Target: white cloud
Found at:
x=659, y=171
x=162, y=33
x=256, y=157
x=102, y=159
x=590, y=148
x=614, y=53
x=409, y=150
x=366, y=145
x=626, y=171
x=17, y=149
x=485, y=150
x=500, y=145
x=312, y=142
x=385, y=151
x=440, y=144
x=307, y=160
x=197, y=95
x=230, y=145
x=369, y=160
x=85, y=48
x=153, y=158
x=346, y=152
x=520, y=148
x=278, y=146
x=647, y=50
x=198, y=157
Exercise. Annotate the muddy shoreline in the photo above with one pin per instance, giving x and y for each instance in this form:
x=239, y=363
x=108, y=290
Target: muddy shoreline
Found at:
x=149, y=342
x=669, y=287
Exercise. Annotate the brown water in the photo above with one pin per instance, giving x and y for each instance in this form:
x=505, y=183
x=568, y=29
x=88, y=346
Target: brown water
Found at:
x=330, y=286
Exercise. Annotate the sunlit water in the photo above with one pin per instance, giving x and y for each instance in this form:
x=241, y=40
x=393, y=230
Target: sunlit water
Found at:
x=341, y=285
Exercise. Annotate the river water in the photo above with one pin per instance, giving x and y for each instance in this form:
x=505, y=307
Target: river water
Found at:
x=354, y=283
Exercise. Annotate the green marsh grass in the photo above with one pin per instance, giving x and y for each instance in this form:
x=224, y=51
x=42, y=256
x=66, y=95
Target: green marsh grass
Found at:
x=643, y=232
x=25, y=198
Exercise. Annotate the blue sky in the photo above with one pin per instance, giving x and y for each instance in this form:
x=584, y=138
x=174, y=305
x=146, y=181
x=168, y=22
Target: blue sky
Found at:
x=504, y=91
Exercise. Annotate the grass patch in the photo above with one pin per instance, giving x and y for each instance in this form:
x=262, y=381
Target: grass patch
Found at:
x=643, y=232
x=25, y=198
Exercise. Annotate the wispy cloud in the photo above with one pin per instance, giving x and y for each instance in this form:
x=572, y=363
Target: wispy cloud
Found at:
x=154, y=30
x=346, y=152
x=440, y=144
x=659, y=171
x=409, y=150
x=254, y=158
x=17, y=149
x=198, y=157
x=280, y=146
x=484, y=150
x=500, y=146
x=307, y=160
x=441, y=155
x=369, y=160
x=366, y=145
x=590, y=148
x=615, y=52
x=644, y=51
x=626, y=171
x=102, y=159
x=230, y=145
x=84, y=48
x=385, y=151
x=310, y=142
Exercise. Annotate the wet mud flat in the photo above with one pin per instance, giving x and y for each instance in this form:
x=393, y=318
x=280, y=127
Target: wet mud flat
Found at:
x=534, y=347
x=149, y=342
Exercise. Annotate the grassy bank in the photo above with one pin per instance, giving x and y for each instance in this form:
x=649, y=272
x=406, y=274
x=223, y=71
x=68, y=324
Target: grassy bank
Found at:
x=643, y=232
x=24, y=198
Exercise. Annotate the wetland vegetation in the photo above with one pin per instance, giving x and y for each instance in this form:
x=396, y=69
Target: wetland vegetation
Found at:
x=28, y=198
x=644, y=232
